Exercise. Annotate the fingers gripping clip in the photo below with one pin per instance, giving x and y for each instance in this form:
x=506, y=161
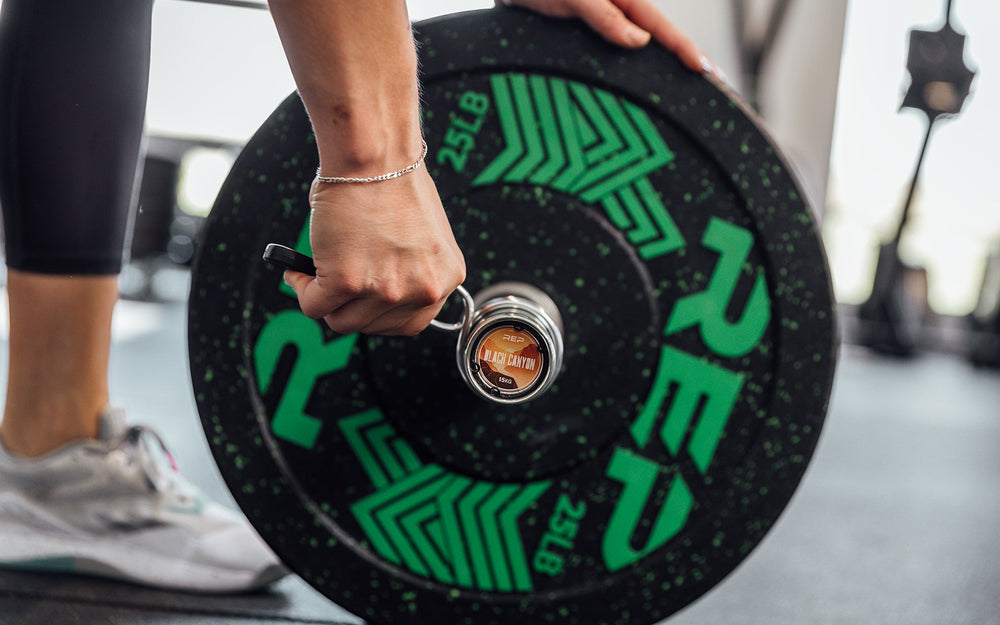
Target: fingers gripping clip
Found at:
x=296, y=261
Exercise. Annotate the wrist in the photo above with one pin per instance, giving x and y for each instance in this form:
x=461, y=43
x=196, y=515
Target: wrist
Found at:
x=366, y=140
x=355, y=67
x=373, y=157
x=366, y=121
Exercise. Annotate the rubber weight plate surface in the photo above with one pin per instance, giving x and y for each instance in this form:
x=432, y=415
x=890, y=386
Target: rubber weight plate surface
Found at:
x=699, y=346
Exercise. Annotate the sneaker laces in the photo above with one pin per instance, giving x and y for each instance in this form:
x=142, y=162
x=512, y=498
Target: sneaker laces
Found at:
x=145, y=449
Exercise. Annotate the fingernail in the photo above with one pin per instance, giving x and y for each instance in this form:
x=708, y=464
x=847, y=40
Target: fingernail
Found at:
x=637, y=37
x=706, y=65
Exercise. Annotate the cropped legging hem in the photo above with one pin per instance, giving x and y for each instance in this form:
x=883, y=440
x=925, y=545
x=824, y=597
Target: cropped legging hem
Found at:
x=73, y=79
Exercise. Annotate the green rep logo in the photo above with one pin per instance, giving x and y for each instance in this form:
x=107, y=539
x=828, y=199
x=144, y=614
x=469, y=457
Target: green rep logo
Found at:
x=573, y=138
x=447, y=527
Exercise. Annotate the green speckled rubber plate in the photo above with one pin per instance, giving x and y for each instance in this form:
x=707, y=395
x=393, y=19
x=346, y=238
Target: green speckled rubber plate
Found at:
x=699, y=347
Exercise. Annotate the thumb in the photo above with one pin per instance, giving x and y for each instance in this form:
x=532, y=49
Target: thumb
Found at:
x=300, y=283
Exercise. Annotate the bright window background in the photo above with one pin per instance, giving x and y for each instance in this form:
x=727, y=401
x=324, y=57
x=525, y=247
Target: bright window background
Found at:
x=217, y=71
x=955, y=219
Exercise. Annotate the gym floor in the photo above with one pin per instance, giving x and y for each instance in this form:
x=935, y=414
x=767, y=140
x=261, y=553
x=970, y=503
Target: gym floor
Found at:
x=896, y=521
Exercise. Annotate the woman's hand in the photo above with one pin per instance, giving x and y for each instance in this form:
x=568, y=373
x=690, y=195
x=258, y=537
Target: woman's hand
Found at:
x=628, y=23
x=386, y=259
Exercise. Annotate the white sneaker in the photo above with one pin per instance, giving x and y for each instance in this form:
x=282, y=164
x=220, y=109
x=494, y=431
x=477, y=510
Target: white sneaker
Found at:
x=115, y=507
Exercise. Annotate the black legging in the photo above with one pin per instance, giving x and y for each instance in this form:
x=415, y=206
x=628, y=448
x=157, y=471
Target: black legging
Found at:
x=73, y=78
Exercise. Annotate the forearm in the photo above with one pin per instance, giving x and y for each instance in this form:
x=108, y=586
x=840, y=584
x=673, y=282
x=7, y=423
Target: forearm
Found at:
x=355, y=68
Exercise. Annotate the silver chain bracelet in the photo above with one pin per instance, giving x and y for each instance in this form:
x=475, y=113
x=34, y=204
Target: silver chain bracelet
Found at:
x=389, y=176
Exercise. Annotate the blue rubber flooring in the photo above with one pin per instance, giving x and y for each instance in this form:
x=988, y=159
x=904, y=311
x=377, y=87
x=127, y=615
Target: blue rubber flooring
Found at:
x=896, y=522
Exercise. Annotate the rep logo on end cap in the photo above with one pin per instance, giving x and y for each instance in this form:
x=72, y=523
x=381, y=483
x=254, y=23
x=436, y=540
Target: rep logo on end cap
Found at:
x=510, y=360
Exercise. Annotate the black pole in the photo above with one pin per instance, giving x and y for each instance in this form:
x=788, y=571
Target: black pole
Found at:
x=740, y=32
x=753, y=54
x=779, y=11
x=884, y=326
x=913, y=182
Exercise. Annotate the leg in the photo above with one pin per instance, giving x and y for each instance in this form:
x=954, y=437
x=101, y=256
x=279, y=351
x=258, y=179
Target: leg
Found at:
x=58, y=381
x=73, y=100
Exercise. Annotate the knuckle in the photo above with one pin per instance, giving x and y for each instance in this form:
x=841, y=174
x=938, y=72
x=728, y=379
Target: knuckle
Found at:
x=350, y=286
x=311, y=312
x=460, y=270
x=392, y=296
x=607, y=17
x=312, y=309
x=416, y=292
x=428, y=295
x=341, y=326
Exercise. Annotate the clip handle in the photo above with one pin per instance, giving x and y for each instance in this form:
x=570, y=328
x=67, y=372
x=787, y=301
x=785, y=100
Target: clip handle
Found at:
x=289, y=259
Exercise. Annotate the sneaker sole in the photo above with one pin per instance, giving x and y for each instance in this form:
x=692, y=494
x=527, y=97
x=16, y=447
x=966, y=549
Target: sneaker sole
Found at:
x=33, y=551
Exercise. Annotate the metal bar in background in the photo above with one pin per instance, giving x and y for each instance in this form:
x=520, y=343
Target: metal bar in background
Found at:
x=243, y=4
